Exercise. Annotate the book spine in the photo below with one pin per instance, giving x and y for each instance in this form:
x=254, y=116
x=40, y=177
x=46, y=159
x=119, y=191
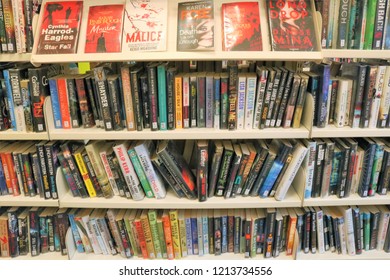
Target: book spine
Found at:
x=128, y=172
x=9, y=26
x=64, y=102
x=261, y=88
x=127, y=98
x=73, y=103
x=162, y=96
x=232, y=94
x=170, y=79
x=370, y=25
x=210, y=97
x=224, y=102
x=55, y=103
x=153, y=97
x=241, y=92
x=272, y=100
x=68, y=176
x=193, y=100
x=178, y=87
x=84, y=174
x=379, y=25
x=202, y=173
x=15, y=78
x=186, y=101
x=84, y=106
x=140, y=172
x=223, y=173
x=173, y=217
x=136, y=95
x=92, y=175
x=145, y=99
x=3, y=37
x=115, y=106
x=288, y=117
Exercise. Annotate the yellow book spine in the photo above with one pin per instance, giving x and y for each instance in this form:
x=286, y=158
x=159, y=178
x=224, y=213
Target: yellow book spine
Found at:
x=84, y=173
x=179, y=102
x=148, y=236
x=173, y=216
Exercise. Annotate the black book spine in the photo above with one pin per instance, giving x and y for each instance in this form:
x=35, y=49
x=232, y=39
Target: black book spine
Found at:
x=263, y=174
x=87, y=116
x=223, y=172
x=153, y=99
x=357, y=229
x=23, y=235
x=43, y=169
x=279, y=96
x=201, y=99
x=374, y=225
x=235, y=165
x=136, y=94
x=255, y=169
x=337, y=235
x=52, y=164
x=202, y=173
x=193, y=100
x=313, y=232
x=320, y=153
x=171, y=72
x=74, y=107
x=117, y=174
x=39, y=88
x=368, y=162
x=384, y=177
x=232, y=93
x=115, y=105
x=144, y=87
x=92, y=100
x=35, y=246
x=369, y=91
x=13, y=233
x=275, y=89
x=104, y=98
x=283, y=102
x=237, y=234
x=269, y=234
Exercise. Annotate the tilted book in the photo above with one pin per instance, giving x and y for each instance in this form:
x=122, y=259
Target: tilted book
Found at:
x=60, y=27
x=145, y=25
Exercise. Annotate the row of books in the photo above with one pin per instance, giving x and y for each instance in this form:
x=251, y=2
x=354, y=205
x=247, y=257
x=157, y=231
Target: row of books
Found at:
x=347, y=166
x=162, y=96
x=346, y=230
x=23, y=89
x=28, y=168
x=33, y=230
x=16, y=25
x=192, y=169
x=120, y=26
x=354, y=94
x=353, y=24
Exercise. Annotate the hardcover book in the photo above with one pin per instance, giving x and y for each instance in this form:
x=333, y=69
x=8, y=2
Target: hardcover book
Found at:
x=145, y=25
x=291, y=25
x=241, y=27
x=104, y=29
x=60, y=27
x=195, y=26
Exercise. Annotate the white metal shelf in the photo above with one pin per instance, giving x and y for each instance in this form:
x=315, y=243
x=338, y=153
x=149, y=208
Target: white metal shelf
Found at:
x=353, y=199
x=172, y=202
x=52, y=256
x=19, y=57
x=332, y=131
x=330, y=53
x=21, y=135
x=191, y=133
x=27, y=201
x=365, y=255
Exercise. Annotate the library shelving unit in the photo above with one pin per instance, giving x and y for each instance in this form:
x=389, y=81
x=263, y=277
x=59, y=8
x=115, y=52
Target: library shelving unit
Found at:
x=294, y=197
x=15, y=57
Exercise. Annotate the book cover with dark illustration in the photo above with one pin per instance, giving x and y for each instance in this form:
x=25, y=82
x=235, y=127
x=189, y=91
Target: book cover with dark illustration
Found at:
x=241, y=27
x=195, y=26
x=291, y=25
x=60, y=27
x=104, y=29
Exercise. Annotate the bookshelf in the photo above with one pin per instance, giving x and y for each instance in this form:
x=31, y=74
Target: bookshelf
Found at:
x=294, y=197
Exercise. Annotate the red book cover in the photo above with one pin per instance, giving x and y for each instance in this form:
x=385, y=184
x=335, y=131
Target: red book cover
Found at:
x=104, y=29
x=291, y=25
x=60, y=27
x=241, y=27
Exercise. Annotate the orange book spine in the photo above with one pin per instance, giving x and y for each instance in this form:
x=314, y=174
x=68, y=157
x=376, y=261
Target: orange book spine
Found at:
x=127, y=98
x=4, y=244
x=141, y=239
x=6, y=173
x=12, y=173
x=168, y=237
x=291, y=235
x=64, y=103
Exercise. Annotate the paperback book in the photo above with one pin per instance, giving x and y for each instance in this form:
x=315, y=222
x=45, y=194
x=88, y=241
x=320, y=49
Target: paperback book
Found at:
x=104, y=29
x=195, y=26
x=60, y=27
x=145, y=25
x=241, y=27
x=291, y=25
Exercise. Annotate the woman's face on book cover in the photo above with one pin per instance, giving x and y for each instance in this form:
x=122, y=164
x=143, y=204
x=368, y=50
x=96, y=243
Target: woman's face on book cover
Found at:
x=290, y=15
x=205, y=33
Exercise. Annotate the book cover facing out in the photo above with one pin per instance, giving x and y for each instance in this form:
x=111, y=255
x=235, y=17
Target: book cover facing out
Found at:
x=145, y=25
x=60, y=27
x=104, y=29
x=291, y=25
x=195, y=26
x=241, y=27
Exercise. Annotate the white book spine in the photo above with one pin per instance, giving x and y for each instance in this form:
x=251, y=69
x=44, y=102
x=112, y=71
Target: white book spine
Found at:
x=385, y=99
x=205, y=228
x=200, y=234
x=110, y=176
x=320, y=230
x=188, y=236
x=349, y=101
x=15, y=11
x=99, y=237
x=309, y=167
x=382, y=231
x=299, y=155
x=342, y=236
x=155, y=181
x=250, y=101
x=22, y=24
x=349, y=232
x=128, y=172
x=376, y=99
x=91, y=235
x=241, y=101
x=328, y=104
x=341, y=103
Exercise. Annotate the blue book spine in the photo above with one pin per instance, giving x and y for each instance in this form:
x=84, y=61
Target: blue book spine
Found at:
x=322, y=101
x=162, y=96
x=55, y=104
x=217, y=103
x=76, y=234
x=3, y=186
x=271, y=178
x=224, y=234
x=10, y=99
x=189, y=237
x=194, y=237
x=205, y=234
x=368, y=162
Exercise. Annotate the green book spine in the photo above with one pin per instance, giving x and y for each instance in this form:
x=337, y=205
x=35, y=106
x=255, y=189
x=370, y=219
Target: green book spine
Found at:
x=152, y=216
x=162, y=96
x=134, y=244
x=161, y=237
x=370, y=25
x=366, y=231
x=140, y=173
